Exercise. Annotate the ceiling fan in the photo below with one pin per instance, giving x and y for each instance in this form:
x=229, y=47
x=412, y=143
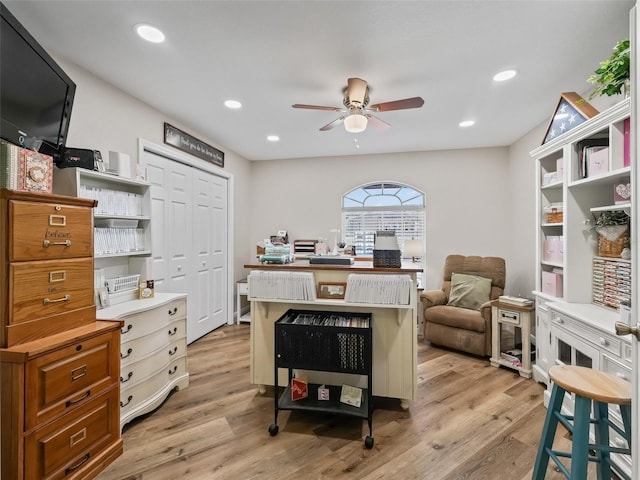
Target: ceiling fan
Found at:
x=358, y=111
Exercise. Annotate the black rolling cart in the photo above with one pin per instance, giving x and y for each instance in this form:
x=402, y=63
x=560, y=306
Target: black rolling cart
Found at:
x=324, y=341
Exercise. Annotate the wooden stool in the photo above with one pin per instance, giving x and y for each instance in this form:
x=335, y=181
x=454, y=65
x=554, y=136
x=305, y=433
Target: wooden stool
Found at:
x=588, y=386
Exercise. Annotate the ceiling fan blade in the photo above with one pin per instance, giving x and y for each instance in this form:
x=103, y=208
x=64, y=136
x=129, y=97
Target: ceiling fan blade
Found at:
x=413, y=102
x=356, y=90
x=377, y=124
x=333, y=124
x=318, y=107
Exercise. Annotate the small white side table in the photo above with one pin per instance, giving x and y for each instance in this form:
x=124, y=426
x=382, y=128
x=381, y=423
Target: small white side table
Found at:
x=242, y=290
x=519, y=317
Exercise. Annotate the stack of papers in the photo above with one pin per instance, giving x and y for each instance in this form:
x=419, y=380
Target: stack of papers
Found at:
x=380, y=289
x=282, y=285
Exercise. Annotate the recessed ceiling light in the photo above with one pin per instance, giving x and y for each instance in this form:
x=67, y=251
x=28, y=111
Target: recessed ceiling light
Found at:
x=234, y=104
x=504, y=75
x=149, y=33
x=466, y=123
x=273, y=138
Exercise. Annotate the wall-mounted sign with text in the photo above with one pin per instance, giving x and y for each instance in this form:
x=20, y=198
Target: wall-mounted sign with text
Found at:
x=187, y=143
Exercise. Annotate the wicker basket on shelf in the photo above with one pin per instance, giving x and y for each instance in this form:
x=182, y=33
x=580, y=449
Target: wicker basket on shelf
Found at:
x=611, y=243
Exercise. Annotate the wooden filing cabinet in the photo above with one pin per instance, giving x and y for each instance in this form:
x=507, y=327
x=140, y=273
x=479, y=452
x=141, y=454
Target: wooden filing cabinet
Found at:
x=46, y=267
x=59, y=366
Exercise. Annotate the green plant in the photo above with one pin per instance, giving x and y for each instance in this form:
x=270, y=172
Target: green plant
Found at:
x=613, y=72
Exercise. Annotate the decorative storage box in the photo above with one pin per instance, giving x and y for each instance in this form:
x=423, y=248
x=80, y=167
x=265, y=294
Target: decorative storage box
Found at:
x=23, y=169
x=622, y=192
x=552, y=283
x=553, y=212
x=553, y=249
x=597, y=161
x=386, y=252
x=627, y=143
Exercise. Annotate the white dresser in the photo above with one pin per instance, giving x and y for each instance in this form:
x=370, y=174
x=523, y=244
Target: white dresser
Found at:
x=153, y=351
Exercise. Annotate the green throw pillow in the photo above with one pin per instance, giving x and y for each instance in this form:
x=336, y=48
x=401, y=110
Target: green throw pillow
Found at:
x=469, y=291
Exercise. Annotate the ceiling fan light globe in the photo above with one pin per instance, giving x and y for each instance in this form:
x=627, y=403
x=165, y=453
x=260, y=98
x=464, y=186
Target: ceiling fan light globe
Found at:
x=355, y=123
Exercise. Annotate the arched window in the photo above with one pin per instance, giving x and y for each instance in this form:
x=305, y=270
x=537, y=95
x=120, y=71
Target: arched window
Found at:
x=382, y=206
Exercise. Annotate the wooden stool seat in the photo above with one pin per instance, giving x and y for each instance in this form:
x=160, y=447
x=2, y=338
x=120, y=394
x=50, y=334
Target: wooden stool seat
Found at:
x=593, y=392
x=592, y=384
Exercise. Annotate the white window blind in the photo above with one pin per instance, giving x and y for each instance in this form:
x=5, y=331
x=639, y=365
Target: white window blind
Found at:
x=382, y=206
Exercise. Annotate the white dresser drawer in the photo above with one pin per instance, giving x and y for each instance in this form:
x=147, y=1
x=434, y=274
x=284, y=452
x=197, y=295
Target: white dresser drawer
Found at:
x=142, y=392
x=139, y=348
x=600, y=339
x=616, y=368
x=143, y=323
x=137, y=372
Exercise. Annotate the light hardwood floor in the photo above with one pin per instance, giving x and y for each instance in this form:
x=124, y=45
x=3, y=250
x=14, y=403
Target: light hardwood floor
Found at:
x=469, y=421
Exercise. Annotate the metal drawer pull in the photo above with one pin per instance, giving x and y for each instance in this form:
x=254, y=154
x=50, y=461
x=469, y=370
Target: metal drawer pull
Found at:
x=48, y=243
x=58, y=276
x=129, y=398
x=68, y=470
x=47, y=301
x=125, y=380
x=127, y=354
x=129, y=327
x=78, y=400
x=77, y=437
x=174, y=331
x=57, y=220
x=621, y=375
x=173, y=370
x=173, y=311
x=79, y=372
x=173, y=352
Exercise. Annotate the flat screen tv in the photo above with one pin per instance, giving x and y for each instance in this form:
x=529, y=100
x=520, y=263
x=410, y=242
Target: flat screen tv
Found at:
x=36, y=95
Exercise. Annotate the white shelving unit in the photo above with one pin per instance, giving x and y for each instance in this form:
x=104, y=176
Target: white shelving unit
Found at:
x=123, y=208
x=570, y=328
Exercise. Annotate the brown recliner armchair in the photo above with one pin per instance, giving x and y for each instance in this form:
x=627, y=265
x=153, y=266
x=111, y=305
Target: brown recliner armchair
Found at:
x=465, y=329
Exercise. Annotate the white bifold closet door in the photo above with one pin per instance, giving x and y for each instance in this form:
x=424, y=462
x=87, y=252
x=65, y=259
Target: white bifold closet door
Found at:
x=189, y=239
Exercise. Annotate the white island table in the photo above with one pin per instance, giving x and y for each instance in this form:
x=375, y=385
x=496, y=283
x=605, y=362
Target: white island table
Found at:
x=394, y=330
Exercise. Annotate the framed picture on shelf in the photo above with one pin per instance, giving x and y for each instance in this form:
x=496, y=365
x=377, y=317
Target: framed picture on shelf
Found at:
x=332, y=290
x=571, y=111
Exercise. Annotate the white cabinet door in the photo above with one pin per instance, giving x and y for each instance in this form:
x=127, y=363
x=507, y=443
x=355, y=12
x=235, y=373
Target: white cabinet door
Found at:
x=157, y=176
x=179, y=229
x=189, y=209
x=209, y=249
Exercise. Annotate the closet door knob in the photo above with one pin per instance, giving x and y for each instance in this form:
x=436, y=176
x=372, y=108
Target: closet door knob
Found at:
x=624, y=329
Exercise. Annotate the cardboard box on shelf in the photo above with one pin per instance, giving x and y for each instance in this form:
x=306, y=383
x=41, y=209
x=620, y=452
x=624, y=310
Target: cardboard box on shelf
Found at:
x=552, y=283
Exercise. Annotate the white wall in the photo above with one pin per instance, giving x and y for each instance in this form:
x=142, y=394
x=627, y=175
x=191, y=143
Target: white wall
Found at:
x=467, y=198
x=105, y=118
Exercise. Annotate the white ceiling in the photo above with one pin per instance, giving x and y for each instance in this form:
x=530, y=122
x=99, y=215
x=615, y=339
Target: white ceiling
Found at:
x=272, y=54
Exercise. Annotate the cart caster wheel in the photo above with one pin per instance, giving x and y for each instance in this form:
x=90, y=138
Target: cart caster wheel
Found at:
x=273, y=430
x=368, y=442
